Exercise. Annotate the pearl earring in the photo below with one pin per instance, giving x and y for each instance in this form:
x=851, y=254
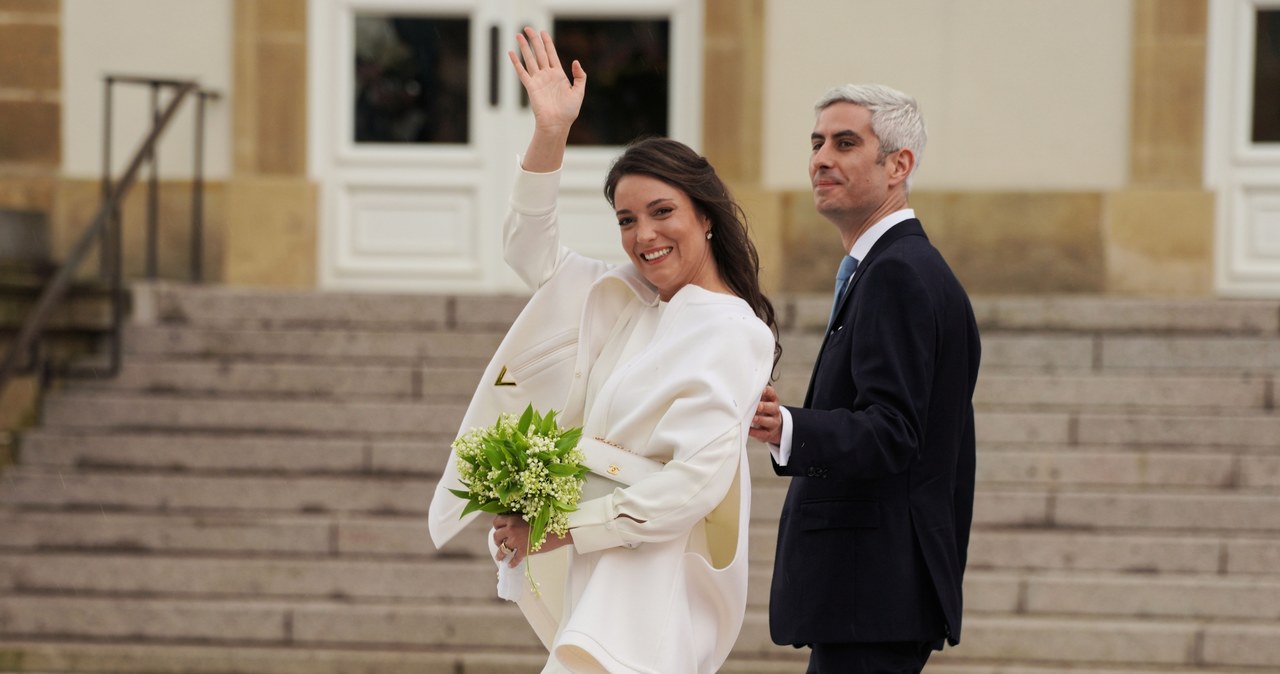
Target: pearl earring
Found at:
x=708, y=235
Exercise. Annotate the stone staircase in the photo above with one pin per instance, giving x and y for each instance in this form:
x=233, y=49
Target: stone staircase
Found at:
x=250, y=494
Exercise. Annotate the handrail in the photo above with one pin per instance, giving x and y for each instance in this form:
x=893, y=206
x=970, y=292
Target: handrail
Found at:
x=35, y=321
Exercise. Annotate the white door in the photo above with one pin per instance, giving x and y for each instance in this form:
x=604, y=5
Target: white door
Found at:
x=1242, y=153
x=416, y=120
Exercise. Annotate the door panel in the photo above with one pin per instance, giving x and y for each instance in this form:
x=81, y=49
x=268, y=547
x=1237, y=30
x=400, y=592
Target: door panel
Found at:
x=1243, y=144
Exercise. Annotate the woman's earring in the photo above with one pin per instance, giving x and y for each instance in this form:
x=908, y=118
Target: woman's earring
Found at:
x=708, y=235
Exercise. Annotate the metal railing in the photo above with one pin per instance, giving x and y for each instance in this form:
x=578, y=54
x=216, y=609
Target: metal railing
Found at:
x=105, y=229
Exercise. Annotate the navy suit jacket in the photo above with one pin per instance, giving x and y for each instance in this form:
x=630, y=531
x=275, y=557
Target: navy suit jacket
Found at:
x=875, y=529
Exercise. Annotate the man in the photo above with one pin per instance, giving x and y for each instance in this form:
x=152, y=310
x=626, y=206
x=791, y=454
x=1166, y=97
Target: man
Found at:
x=874, y=532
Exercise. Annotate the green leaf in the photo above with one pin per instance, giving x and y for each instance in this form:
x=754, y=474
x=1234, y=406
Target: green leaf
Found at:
x=538, y=530
x=494, y=507
x=461, y=493
x=472, y=506
x=569, y=439
x=526, y=419
x=562, y=469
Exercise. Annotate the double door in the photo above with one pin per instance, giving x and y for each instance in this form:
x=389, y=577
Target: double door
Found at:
x=417, y=119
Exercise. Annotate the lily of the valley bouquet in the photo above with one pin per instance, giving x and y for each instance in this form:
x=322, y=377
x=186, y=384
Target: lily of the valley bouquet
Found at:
x=527, y=466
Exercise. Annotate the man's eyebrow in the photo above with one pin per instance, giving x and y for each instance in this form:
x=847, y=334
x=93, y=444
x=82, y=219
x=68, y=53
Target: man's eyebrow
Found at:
x=844, y=133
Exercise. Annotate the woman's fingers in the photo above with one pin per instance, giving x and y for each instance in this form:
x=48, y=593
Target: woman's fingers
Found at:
x=539, y=41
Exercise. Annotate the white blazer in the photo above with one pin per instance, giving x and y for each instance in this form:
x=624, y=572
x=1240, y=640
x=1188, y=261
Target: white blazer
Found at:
x=667, y=591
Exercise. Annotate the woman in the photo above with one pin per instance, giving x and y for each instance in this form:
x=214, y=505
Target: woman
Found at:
x=662, y=363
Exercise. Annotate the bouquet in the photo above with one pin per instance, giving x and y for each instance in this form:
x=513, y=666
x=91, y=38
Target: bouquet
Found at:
x=527, y=466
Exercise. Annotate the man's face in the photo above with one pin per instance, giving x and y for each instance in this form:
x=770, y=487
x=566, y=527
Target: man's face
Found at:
x=848, y=184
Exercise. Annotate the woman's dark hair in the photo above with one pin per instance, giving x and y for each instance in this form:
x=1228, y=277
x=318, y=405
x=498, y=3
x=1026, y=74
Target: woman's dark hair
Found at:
x=676, y=164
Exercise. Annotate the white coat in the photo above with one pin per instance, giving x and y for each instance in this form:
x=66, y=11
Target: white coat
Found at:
x=667, y=585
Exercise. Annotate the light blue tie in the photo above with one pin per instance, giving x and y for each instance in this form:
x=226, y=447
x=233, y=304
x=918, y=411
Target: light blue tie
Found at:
x=847, y=265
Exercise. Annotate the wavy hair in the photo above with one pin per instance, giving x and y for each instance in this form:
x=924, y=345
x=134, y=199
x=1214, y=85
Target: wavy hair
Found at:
x=676, y=164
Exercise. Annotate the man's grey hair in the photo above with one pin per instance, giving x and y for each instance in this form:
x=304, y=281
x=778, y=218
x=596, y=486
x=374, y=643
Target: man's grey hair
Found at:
x=895, y=118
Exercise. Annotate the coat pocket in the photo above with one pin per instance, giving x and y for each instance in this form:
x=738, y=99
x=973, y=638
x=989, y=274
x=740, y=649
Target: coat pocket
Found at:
x=538, y=357
x=817, y=515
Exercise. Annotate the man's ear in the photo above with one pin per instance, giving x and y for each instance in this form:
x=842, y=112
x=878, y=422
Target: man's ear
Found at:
x=900, y=165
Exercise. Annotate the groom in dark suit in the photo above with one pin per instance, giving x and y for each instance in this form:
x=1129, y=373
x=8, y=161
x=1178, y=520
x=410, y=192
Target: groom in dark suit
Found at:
x=874, y=533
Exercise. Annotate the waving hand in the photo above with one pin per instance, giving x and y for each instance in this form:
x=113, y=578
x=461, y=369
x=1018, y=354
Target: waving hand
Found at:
x=554, y=99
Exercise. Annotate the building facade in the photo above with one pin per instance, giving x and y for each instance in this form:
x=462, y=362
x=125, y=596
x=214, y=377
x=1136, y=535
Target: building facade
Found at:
x=1126, y=147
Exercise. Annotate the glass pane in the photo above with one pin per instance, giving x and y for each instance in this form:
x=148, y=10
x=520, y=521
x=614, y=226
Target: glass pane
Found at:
x=412, y=78
x=1266, y=78
x=627, y=63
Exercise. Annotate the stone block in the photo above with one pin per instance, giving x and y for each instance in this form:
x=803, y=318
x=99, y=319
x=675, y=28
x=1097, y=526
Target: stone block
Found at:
x=1097, y=313
x=438, y=348
x=1182, y=598
x=1106, y=468
x=169, y=493
x=1203, y=511
x=193, y=453
x=1126, y=390
x=30, y=132
x=482, y=313
x=1243, y=646
x=1252, y=556
x=1010, y=508
x=31, y=58
x=1160, y=242
x=1024, y=427
x=498, y=624
x=108, y=531
x=1175, y=431
x=239, y=308
x=1079, y=550
x=1043, y=352
x=117, y=618
x=1077, y=641
x=1221, y=353
x=363, y=419
x=270, y=222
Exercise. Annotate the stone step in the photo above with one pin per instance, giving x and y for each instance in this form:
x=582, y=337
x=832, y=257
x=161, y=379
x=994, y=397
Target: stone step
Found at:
x=1089, y=644
x=1139, y=429
x=419, y=580
x=433, y=348
x=1080, y=641
x=1089, y=390
x=222, y=307
x=992, y=547
x=75, y=657
x=133, y=411
x=1121, y=314
x=284, y=379
x=232, y=453
x=253, y=454
x=29, y=487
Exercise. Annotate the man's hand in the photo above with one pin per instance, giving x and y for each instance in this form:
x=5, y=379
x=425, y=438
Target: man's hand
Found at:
x=766, y=425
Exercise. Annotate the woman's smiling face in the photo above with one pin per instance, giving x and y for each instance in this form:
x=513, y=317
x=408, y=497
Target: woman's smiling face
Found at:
x=664, y=234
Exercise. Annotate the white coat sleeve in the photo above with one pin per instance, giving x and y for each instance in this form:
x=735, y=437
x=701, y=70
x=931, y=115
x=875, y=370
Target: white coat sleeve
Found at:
x=712, y=379
x=531, y=235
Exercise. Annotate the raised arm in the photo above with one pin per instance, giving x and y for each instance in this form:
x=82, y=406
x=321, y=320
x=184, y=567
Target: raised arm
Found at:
x=554, y=99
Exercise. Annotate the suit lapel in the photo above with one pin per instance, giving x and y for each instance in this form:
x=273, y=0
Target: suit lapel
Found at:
x=901, y=230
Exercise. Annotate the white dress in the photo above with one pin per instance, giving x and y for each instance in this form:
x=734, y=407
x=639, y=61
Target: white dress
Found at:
x=656, y=580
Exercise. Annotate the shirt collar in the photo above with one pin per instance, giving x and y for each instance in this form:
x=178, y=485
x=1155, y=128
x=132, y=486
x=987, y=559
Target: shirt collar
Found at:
x=869, y=238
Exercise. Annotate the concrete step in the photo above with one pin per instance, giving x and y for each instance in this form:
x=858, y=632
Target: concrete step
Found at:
x=29, y=487
x=76, y=657
x=419, y=580
x=130, y=411
x=232, y=453
x=1128, y=314
x=222, y=307
x=432, y=348
x=1111, y=391
x=282, y=379
x=1140, y=429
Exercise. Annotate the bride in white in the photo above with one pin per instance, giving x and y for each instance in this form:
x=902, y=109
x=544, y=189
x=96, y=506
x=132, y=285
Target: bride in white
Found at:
x=661, y=362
